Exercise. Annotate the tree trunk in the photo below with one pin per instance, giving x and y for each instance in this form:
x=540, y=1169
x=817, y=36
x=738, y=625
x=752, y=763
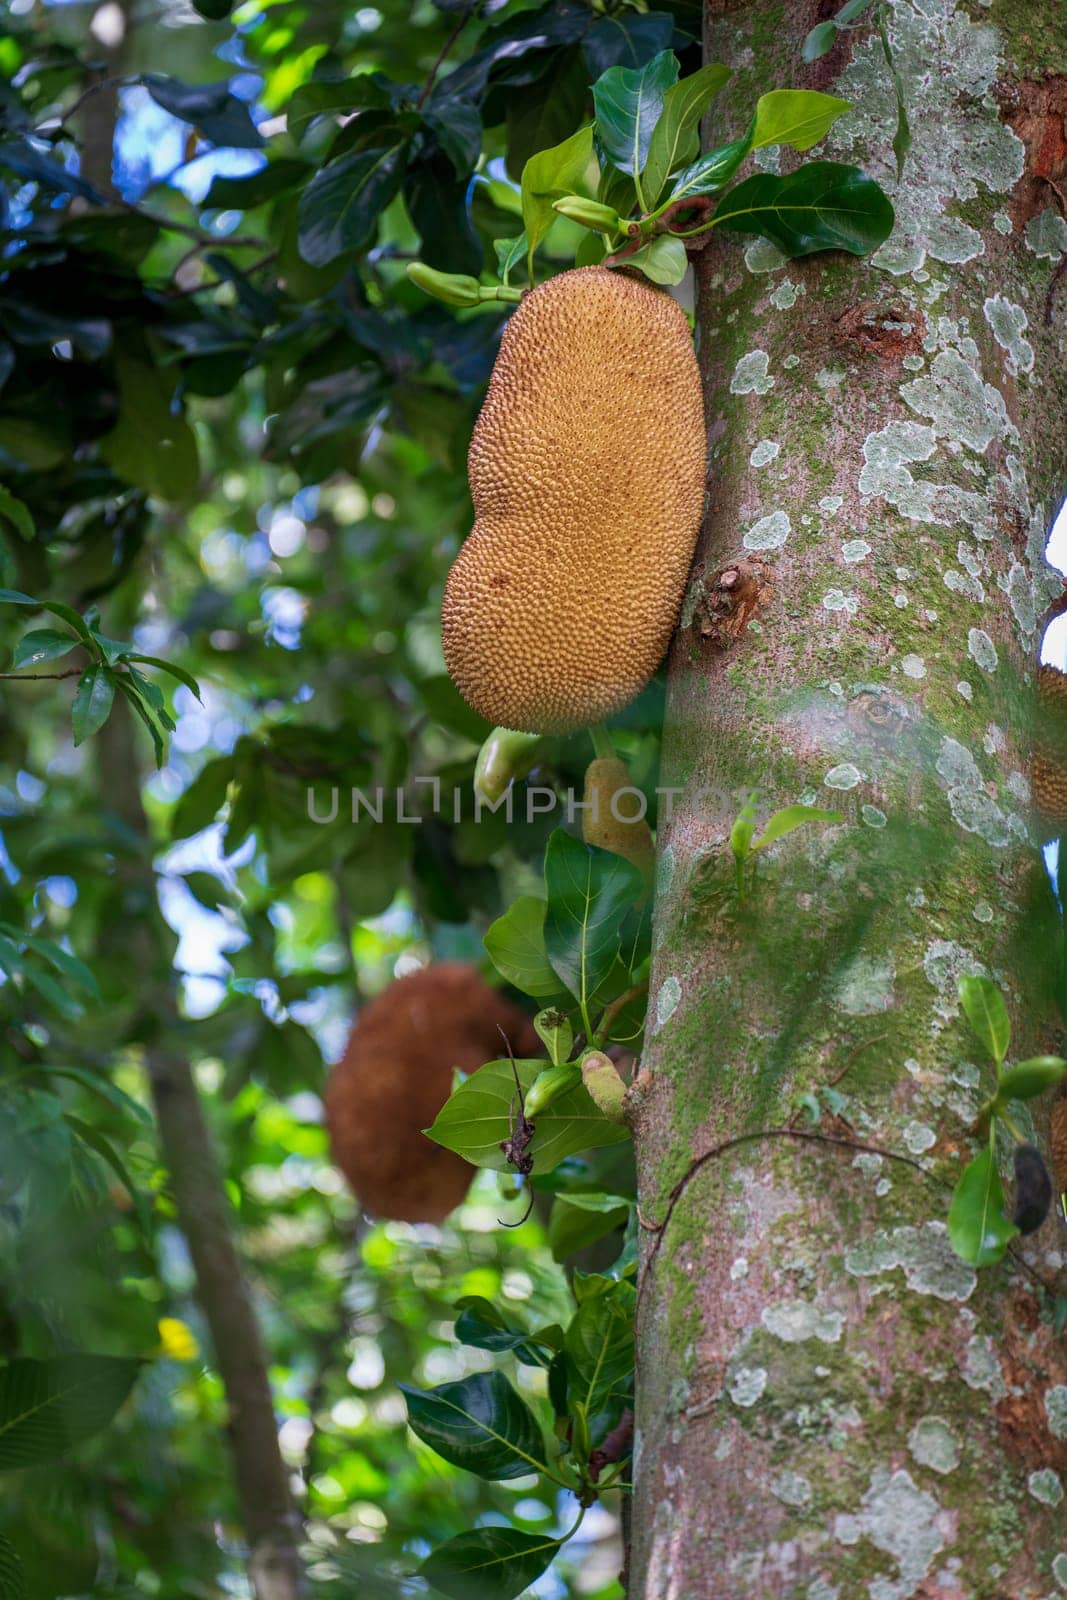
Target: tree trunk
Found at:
x=268, y=1516
x=830, y=1403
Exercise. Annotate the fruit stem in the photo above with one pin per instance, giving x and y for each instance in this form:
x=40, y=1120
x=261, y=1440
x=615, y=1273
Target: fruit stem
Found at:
x=602, y=742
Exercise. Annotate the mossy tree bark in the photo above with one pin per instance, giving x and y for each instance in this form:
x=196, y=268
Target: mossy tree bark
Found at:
x=830, y=1403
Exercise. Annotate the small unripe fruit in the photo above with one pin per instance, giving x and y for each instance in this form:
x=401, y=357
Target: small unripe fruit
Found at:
x=590, y=213
x=454, y=289
x=605, y=1085
x=504, y=757
x=548, y=1086
x=613, y=814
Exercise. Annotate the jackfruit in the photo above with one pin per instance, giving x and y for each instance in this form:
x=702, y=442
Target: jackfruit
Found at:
x=396, y=1074
x=612, y=815
x=586, y=469
x=1058, y=1143
x=1048, y=767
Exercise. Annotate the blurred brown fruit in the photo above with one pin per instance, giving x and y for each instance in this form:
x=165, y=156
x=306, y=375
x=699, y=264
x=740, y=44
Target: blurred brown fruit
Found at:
x=396, y=1074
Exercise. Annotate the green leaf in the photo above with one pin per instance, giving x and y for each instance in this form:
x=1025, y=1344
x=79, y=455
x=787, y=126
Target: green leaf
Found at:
x=984, y=1008
x=796, y=117
x=481, y=1325
x=339, y=209
x=95, y=1140
x=676, y=137
x=14, y=597
x=478, y=1116
x=791, y=818
x=42, y=644
x=15, y=512
x=555, y=1033
x=515, y=944
x=1027, y=1079
x=823, y=205
x=629, y=102
x=51, y=991
x=151, y=446
x=599, y=1344
x=169, y=667
x=711, y=171
x=488, y=1564
x=480, y=1424
x=508, y=253
x=567, y=168
x=662, y=260
x=819, y=41
x=12, y=1573
x=977, y=1227
x=141, y=710
x=102, y=1086
x=57, y=957
x=577, y=1220
x=589, y=894
x=93, y=700
x=203, y=800
x=48, y=1407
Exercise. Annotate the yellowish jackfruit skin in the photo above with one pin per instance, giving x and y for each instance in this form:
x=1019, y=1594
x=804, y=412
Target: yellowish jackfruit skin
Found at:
x=586, y=469
x=631, y=837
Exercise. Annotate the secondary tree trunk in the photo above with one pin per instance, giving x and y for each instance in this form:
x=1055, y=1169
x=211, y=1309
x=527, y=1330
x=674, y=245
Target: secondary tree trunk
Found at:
x=830, y=1404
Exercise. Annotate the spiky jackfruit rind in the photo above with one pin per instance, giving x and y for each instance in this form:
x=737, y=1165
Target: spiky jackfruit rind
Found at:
x=1048, y=767
x=396, y=1074
x=586, y=468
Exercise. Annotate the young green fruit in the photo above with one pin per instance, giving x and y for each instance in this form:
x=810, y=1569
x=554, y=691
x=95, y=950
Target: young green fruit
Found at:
x=605, y=1085
x=587, y=474
x=504, y=757
x=548, y=1086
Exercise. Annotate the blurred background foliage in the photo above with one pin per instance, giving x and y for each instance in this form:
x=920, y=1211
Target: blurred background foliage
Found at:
x=232, y=433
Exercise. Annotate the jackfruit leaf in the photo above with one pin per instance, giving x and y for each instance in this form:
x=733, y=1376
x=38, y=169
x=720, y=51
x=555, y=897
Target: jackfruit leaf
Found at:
x=488, y=1564
x=42, y=644
x=339, y=209
x=589, y=893
x=457, y=126
x=977, y=1227
x=93, y=700
x=984, y=1008
x=508, y=253
x=203, y=799
x=711, y=172
x=676, y=136
x=479, y=1115
x=314, y=100
x=662, y=260
x=151, y=446
x=796, y=117
x=628, y=102
x=209, y=107
x=819, y=41
x=580, y=1219
x=12, y=1572
x=481, y=1325
x=256, y=188
x=567, y=168
x=480, y=1424
x=789, y=819
x=14, y=511
x=599, y=1346
x=515, y=944
x=555, y=1033
x=1027, y=1079
x=627, y=40
x=824, y=205
x=48, y=1407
